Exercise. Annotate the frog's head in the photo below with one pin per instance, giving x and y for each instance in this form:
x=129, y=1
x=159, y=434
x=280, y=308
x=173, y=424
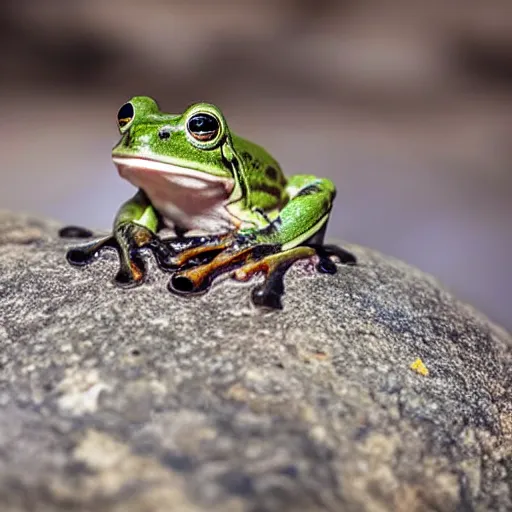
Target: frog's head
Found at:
x=185, y=151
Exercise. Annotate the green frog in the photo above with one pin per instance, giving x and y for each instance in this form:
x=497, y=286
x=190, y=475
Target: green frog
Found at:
x=193, y=173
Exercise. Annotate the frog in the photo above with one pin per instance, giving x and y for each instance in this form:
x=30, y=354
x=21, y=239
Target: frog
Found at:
x=232, y=210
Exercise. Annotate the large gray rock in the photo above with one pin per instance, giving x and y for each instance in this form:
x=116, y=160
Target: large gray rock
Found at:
x=137, y=400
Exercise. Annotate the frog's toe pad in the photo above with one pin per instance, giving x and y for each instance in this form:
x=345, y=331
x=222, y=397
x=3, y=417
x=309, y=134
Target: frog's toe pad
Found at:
x=267, y=297
x=86, y=253
x=325, y=266
x=345, y=257
x=181, y=285
x=131, y=273
x=79, y=257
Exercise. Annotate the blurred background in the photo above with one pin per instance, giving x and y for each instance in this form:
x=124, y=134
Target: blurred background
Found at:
x=406, y=105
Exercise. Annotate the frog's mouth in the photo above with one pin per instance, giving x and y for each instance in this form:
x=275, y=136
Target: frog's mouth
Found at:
x=180, y=177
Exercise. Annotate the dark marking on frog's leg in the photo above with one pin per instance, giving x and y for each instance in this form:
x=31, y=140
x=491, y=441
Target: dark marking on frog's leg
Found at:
x=75, y=232
x=134, y=239
x=271, y=173
x=318, y=238
x=207, y=258
x=327, y=250
x=269, y=294
x=272, y=190
x=262, y=212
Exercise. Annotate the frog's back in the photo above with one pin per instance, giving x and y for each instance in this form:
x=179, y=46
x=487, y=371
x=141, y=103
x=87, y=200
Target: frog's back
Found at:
x=263, y=174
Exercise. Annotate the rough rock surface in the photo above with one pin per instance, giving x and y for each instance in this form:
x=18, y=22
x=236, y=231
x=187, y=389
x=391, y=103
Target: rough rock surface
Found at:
x=137, y=400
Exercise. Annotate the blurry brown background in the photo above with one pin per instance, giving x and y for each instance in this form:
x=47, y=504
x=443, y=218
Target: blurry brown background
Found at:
x=406, y=105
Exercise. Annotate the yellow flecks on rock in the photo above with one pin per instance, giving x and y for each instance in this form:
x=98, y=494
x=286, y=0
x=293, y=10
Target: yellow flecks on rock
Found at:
x=419, y=367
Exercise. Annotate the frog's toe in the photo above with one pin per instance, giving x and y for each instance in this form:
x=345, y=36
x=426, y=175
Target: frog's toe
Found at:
x=274, y=267
x=132, y=272
x=196, y=279
x=194, y=251
x=79, y=256
x=270, y=293
x=181, y=284
x=163, y=253
x=180, y=253
x=326, y=266
x=326, y=251
x=86, y=253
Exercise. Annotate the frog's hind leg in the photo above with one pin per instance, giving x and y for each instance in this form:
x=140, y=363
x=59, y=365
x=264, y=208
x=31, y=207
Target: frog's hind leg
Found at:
x=304, y=215
x=313, y=197
x=271, y=250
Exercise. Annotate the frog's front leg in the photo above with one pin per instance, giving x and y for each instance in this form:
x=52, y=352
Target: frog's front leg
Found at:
x=273, y=248
x=135, y=228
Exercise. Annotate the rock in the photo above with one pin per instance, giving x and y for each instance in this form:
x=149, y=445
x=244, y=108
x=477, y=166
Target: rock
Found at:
x=137, y=400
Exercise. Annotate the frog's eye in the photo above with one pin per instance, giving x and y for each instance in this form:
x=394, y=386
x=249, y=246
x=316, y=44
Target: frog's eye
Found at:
x=203, y=127
x=125, y=115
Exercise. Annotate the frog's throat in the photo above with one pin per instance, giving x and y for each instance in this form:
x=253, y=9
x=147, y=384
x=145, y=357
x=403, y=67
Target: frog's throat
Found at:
x=186, y=197
x=181, y=176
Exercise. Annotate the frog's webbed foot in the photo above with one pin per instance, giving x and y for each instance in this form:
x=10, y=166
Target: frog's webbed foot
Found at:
x=199, y=266
x=274, y=267
x=131, y=241
x=84, y=254
x=128, y=240
x=241, y=258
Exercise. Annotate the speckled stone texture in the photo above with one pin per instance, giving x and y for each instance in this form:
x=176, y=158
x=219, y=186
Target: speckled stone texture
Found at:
x=137, y=400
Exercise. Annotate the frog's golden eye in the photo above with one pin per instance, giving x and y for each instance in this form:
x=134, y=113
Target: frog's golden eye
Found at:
x=203, y=127
x=125, y=114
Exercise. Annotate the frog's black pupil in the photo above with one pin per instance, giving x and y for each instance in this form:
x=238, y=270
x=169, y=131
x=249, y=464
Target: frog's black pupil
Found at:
x=125, y=114
x=203, y=126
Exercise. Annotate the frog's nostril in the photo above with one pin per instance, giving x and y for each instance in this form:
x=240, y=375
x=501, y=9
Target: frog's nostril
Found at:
x=164, y=133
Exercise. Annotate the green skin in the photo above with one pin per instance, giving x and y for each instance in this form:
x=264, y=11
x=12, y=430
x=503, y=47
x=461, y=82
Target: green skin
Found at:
x=298, y=207
x=193, y=173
